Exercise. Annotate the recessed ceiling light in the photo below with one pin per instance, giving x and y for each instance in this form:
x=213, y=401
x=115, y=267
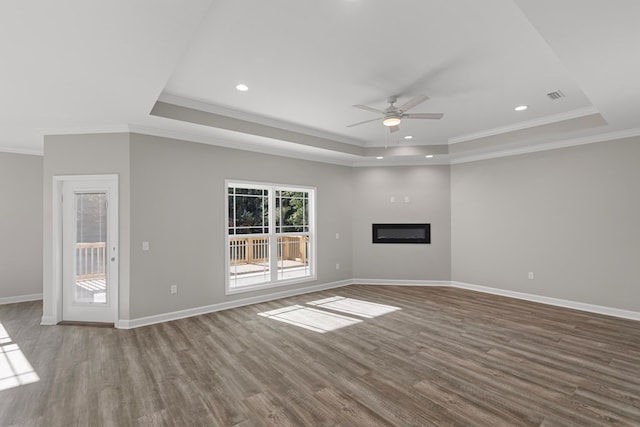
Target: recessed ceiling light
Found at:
x=428, y=156
x=521, y=107
x=379, y=157
x=242, y=87
x=408, y=137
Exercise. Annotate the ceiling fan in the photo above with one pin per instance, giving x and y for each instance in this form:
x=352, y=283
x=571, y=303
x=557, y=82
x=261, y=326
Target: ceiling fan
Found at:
x=392, y=115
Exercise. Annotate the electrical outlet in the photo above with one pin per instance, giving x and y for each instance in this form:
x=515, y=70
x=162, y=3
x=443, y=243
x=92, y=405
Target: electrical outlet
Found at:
x=145, y=246
x=174, y=289
x=337, y=236
x=337, y=266
x=531, y=275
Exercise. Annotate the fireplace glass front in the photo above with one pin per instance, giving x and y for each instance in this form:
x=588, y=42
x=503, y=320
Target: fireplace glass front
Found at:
x=401, y=233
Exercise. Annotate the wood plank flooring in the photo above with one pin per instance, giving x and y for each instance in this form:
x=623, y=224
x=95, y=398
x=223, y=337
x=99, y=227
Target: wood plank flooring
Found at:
x=445, y=356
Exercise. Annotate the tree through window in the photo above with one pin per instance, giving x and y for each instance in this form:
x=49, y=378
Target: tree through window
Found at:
x=262, y=252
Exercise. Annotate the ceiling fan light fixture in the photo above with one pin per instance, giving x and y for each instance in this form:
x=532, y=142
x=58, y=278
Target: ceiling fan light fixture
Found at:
x=391, y=121
x=392, y=115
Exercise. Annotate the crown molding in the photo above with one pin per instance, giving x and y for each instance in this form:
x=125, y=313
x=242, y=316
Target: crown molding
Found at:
x=193, y=137
x=13, y=150
x=568, y=115
x=438, y=160
x=611, y=136
x=327, y=156
x=240, y=145
x=266, y=121
x=85, y=130
x=74, y=130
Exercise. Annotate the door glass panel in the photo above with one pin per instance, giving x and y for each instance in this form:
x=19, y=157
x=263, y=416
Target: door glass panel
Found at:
x=91, y=248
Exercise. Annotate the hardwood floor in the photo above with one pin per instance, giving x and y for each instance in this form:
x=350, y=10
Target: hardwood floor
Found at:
x=444, y=356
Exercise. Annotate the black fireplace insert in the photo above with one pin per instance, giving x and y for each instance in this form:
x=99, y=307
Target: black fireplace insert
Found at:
x=401, y=233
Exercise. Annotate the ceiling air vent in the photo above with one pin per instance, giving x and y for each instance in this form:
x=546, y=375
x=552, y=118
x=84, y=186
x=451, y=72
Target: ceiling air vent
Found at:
x=556, y=94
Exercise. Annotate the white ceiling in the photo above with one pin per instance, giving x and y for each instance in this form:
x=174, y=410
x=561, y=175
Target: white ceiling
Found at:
x=94, y=66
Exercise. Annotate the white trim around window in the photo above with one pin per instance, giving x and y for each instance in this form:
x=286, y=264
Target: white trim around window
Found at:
x=263, y=219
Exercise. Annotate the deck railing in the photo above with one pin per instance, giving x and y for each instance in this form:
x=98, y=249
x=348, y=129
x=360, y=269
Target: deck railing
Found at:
x=92, y=257
x=91, y=260
x=255, y=250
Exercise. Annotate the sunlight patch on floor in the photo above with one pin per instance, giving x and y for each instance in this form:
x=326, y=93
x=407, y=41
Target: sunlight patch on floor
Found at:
x=321, y=317
x=15, y=369
x=310, y=318
x=354, y=306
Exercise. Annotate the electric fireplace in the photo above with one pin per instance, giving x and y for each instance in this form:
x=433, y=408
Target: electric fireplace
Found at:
x=401, y=233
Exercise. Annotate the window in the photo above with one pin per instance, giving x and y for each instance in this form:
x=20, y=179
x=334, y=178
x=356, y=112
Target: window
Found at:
x=270, y=235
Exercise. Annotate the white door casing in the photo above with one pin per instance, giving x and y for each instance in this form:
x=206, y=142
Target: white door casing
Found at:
x=89, y=251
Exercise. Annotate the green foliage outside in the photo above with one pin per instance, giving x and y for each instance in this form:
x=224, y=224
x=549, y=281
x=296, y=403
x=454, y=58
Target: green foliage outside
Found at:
x=250, y=209
x=292, y=211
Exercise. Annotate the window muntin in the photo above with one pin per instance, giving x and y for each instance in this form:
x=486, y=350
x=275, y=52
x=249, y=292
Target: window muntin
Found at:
x=248, y=210
x=292, y=211
x=252, y=239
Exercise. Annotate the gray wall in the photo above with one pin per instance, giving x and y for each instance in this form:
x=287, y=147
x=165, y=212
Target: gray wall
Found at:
x=428, y=190
x=20, y=225
x=570, y=216
x=177, y=204
x=87, y=155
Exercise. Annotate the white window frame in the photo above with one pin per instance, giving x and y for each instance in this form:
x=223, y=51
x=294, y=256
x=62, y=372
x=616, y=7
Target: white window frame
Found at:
x=274, y=282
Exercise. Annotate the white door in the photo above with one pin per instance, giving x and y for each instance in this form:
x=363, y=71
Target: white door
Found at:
x=90, y=249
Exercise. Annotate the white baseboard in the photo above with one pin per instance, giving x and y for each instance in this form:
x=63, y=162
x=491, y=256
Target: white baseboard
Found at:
x=389, y=282
x=20, y=298
x=166, y=317
x=599, y=309
x=48, y=321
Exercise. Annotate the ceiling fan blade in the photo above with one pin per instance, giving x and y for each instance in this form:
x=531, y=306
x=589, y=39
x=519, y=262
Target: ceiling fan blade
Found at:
x=413, y=102
x=393, y=129
x=364, y=107
x=366, y=121
x=434, y=116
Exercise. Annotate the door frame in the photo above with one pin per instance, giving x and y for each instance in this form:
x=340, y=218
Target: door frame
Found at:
x=56, y=240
